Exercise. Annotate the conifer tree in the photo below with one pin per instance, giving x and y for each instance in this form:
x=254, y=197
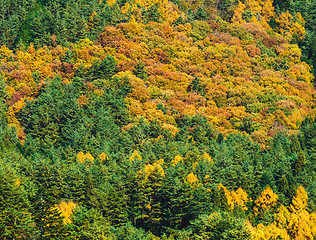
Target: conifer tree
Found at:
x=223, y=203
x=15, y=217
x=295, y=145
x=46, y=216
x=284, y=185
x=299, y=163
x=140, y=71
x=196, y=86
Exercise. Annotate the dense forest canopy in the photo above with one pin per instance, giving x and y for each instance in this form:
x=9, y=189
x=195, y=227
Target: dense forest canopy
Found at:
x=138, y=119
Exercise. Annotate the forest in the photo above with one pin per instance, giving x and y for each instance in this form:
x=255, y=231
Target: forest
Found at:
x=158, y=119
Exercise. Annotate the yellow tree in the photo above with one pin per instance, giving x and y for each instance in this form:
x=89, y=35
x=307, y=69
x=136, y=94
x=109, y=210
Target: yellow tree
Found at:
x=301, y=223
x=135, y=156
x=82, y=158
x=230, y=200
x=237, y=17
x=240, y=198
x=265, y=201
x=192, y=180
x=262, y=232
x=176, y=160
x=267, y=12
x=281, y=217
x=299, y=201
x=66, y=210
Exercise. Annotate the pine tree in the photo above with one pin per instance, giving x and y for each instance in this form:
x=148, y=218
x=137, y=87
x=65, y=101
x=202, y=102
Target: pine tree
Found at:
x=223, y=203
x=220, y=138
x=46, y=216
x=3, y=98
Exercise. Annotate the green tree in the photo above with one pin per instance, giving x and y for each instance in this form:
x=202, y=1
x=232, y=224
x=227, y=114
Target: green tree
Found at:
x=196, y=86
x=299, y=163
x=140, y=71
x=295, y=145
x=219, y=226
x=15, y=217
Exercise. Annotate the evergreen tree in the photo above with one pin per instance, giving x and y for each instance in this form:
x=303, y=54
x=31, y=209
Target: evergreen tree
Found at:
x=284, y=185
x=15, y=217
x=140, y=71
x=201, y=14
x=299, y=163
x=104, y=69
x=220, y=226
x=46, y=216
x=196, y=86
x=295, y=145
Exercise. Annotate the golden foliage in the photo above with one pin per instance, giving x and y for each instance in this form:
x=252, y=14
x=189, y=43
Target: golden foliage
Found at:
x=176, y=160
x=237, y=17
x=207, y=158
x=240, y=198
x=230, y=199
x=66, y=210
x=156, y=167
x=103, y=157
x=281, y=217
x=262, y=232
x=192, y=179
x=5, y=53
x=299, y=201
x=135, y=156
x=265, y=201
x=82, y=158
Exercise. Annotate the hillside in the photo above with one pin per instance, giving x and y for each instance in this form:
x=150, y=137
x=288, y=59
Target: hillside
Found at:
x=157, y=120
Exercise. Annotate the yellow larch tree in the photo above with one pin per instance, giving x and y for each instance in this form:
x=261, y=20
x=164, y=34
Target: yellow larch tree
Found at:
x=82, y=158
x=237, y=17
x=230, y=200
x=281, y=217
x=176, y=160
x=135, y=156
x=192, y=179
x=262, y=232
x=103, y=157
x=151, y=168
x=240, y=198
x=302, y=224
x=299, y=201
x=265, y=201
x=66, y=210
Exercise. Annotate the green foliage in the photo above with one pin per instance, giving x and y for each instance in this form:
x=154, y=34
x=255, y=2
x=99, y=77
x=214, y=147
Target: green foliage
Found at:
x=15, y=218
x=196, y=86
x=152, y=14
x=88, y=224
x=220, y=225
x=74, y=136
x=140, y=71
x=298, y=165
x=103, y=70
